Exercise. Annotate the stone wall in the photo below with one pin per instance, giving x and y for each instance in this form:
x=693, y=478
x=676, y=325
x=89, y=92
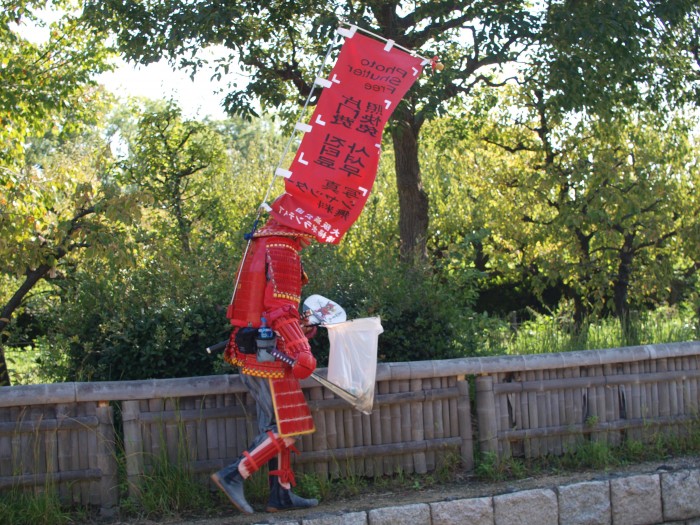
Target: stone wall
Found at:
x=664, y=497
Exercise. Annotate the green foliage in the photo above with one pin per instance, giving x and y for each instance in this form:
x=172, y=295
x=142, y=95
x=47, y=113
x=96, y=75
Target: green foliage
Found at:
x=48, y=87
x=557, y=333
x=152, y=303
x=172, y=161
x=559, y=208
x=32, y=507
x=140, y=324
x=490, y=468
x=60, y=207
x=602, y=56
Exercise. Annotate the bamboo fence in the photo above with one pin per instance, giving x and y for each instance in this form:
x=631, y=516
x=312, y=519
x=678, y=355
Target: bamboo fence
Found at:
x=65, y=436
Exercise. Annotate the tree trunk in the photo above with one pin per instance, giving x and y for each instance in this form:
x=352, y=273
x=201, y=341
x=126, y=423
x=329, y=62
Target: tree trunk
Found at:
x=413, y=200
x=621, y=286
x=31, y=279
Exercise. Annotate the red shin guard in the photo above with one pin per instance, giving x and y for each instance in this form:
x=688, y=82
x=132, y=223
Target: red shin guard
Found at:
x=284, y=470
x=260, y=455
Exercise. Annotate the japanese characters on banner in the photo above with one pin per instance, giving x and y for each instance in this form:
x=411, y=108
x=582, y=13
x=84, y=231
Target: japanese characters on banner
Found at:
x=333, y=171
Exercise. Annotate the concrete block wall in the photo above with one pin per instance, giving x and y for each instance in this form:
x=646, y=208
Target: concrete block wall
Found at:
x=639, y=499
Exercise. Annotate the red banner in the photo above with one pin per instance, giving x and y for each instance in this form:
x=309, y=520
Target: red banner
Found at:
x=333, y=171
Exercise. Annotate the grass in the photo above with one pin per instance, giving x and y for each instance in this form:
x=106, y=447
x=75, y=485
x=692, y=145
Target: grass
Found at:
x=33, y=507
x=555, y=333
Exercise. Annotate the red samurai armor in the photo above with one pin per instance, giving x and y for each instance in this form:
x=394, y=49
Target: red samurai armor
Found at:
x=269, y=286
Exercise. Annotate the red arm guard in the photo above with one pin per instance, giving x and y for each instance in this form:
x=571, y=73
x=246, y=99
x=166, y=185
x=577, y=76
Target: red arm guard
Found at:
x=285, y=321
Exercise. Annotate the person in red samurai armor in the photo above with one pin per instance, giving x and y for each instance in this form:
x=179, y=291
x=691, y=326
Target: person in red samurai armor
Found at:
x=267, y=294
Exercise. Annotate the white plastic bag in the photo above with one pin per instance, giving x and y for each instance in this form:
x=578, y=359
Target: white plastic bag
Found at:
x=352, y=363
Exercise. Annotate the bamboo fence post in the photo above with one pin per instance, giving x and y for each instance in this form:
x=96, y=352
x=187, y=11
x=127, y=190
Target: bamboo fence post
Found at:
x=222, y=429
x=51, y=448
x=692, y=387
x=440, y=413
x=189, y=428
x=555, y=403
x=331, y=436
x=486, y=414
x=69, y=446
x=453, y=428
x=611, y=404
x=673, y=389
x=417, y=429
x=663, y=390
x=428, y=426
x=339, y=417
x=654, y=393
x=133, y=445
x=211, y=436
x=405, y=421
x=385, y=430
x=170, y=430
x=62, y=454
x=200, y=430
x=685, y=399
x=348, y=465
x=107, y=459
x=6, y=445
x=568, y=416
x=464, y=416
x=153, y=436
x=91, y=489
x=357, y=426
x=600, y=406
x=543, y=414
x=87, y=443
x=319, y=437
x=531, y=444
x=396, y=427
x=523, y=445
x=636, y=394
x=372, y=436
x=506, y=416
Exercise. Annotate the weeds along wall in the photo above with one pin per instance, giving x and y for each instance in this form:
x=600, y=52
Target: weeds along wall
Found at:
x=90, y=440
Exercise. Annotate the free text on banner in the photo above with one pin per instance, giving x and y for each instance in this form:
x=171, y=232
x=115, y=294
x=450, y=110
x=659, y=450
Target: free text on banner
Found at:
x=335, y=166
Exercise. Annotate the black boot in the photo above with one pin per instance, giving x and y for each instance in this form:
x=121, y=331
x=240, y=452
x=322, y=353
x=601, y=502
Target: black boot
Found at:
x=285, y=499
x=230, y=481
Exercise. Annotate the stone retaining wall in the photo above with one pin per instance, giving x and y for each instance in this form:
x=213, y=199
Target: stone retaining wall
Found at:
x=639, y=499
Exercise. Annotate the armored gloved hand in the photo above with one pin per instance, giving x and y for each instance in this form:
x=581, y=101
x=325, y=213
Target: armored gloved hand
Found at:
x=304, y=365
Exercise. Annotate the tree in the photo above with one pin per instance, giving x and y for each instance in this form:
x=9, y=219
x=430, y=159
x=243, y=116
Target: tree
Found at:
x=604, y=57
x=592, y=207
x=594, y=55
x=173, y=161
x=44, y=83
x=46, y=213
x=64, y=206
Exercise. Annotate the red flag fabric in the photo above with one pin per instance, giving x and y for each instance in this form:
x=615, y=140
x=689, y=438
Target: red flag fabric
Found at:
x=333, y=171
